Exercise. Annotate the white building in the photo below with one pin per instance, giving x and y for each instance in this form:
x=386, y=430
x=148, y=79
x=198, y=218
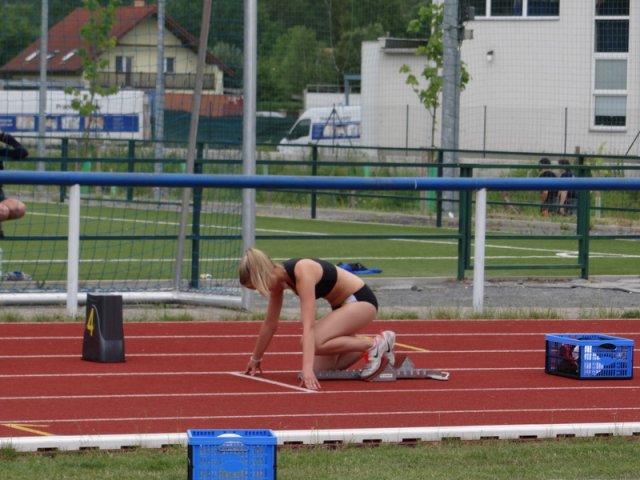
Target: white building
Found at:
x=546, y=76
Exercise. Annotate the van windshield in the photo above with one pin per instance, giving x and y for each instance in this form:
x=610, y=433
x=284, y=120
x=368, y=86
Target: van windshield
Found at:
x=300, y=129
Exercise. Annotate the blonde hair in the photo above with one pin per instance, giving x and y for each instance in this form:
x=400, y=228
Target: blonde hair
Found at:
x=256, y=269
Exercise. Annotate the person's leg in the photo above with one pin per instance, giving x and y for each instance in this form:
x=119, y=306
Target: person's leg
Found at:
x=5, y=211
x=337, y=345
x=11, y=209
x=14, y=209
x=17, y=209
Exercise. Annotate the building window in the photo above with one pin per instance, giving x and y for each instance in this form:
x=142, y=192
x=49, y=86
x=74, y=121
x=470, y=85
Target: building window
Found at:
x=612, y=35
x=124, y=64
x=514, y=8
x=31, y=56
x=169, y=65
x=611, y=74
x=506, y=8
x=610, y=111
x=543, y=8
x=68, y=55
x=611, y=52
x=479, y=6
x=612, y=7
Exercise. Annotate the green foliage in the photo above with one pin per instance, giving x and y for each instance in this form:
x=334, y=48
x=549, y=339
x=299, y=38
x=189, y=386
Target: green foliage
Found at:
x=8, y=454
x=298, y=59
x=430, y=19
x=429, y=25
x=336, y=30
x=233, y=57
x=18, y=28
x=349, y=48
x=20, y=23
x=97, y=35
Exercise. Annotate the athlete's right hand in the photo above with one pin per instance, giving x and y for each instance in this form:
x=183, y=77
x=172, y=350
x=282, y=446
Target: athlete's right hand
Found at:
x=309, y=381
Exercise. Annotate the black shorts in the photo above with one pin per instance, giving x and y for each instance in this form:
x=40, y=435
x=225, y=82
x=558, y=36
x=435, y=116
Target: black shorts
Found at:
x=2, y=195
x=365, y=294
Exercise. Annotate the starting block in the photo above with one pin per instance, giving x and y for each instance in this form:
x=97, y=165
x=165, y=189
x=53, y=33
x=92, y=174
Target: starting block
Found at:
x=406, y=370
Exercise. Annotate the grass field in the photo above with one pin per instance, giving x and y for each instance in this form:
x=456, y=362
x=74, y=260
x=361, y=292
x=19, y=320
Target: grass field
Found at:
x=613, y=458
x=124, y=243
x=438, y=257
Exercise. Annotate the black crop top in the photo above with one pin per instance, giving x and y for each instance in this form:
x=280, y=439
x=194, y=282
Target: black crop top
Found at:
x=327, y=281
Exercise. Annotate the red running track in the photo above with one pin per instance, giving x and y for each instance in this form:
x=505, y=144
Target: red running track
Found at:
x=185, y=375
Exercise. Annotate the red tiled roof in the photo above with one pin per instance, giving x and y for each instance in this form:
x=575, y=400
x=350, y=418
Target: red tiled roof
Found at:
x=64, y=38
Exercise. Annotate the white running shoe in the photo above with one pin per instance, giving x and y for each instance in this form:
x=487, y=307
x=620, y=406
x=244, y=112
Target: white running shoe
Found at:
x=390, y=341
x=376, y=358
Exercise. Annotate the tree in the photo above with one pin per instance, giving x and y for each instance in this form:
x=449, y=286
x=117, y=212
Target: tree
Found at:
x=96, y=34
x=429, y=24
x=392, y=15
x=335, y=29
x=298, y=59
x=20, y=23
x=18, y=28
x=348, y=53
x=233, y=57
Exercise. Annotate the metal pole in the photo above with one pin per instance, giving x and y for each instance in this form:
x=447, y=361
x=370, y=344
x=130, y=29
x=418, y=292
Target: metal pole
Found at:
x=566, y=128
x=159, y=97
x=450, y=93
x=193, y=134
x=479, y=246
x=42, y=106
x=249, y=131
x=484, y=130
x=73, y=250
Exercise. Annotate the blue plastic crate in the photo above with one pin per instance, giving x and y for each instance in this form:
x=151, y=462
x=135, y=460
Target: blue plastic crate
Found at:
x=589, y=356
x=232, y=454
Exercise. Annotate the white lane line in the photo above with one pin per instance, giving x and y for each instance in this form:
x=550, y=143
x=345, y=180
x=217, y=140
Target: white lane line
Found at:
x=312, y=415
x=298, y=390
x=114, y=374
x=271, y=382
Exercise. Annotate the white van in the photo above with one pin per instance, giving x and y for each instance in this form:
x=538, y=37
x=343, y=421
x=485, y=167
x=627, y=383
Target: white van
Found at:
x=324, y=126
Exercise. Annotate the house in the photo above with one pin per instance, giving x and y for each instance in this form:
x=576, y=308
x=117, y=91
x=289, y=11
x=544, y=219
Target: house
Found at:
x=133, y=61
x=546, y=76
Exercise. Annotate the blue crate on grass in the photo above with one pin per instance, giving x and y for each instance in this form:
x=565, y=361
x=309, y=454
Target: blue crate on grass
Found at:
x=232, y=454
x=589, y=356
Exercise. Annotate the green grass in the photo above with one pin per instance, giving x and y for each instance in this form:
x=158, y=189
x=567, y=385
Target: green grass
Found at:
x=573, y=458
x=149, y=258
x=438, y=257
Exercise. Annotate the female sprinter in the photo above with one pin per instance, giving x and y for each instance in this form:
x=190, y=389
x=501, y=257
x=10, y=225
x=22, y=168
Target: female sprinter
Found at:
x=330, y=343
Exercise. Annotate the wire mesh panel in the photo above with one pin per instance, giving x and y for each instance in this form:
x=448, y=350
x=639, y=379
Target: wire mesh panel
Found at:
x=125, y=244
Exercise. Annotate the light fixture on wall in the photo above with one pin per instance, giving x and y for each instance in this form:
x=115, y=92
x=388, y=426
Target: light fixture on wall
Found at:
x=490, y=56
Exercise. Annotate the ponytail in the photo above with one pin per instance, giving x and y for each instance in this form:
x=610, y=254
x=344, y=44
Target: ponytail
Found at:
x=256, y=269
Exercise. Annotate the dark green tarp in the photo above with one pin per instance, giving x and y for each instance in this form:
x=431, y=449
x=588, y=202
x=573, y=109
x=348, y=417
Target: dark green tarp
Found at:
x=269, y=130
